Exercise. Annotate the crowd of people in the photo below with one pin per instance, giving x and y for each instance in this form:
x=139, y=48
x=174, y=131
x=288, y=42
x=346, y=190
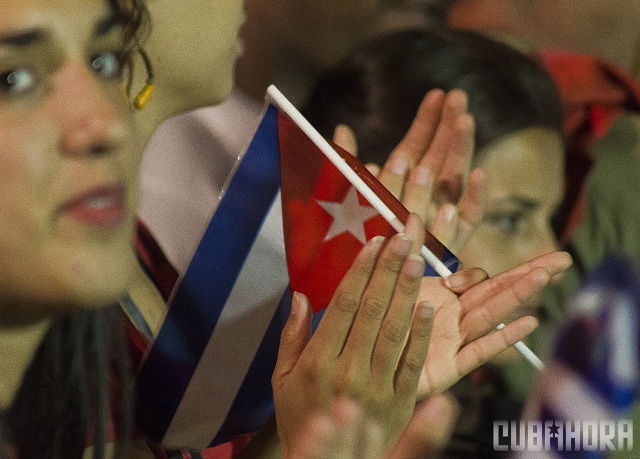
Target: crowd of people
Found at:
x=122, y=119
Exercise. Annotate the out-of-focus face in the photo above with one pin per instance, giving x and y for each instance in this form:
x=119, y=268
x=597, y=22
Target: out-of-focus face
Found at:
x=524, y=177
x=195, y=45
x=68, y=162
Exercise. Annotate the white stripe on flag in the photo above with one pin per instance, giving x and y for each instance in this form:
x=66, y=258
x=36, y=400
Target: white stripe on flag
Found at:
x=529, y=454
x=570, y=398
x=236, y=338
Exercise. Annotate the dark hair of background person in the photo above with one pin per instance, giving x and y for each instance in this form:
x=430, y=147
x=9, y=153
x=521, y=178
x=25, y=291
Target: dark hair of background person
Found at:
x=378, y=88
x=80, y=379
x=436, y=9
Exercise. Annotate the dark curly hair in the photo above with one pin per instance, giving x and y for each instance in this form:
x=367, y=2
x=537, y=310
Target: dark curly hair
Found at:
x=135, y=18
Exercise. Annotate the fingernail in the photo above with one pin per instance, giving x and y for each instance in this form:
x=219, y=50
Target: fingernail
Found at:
x=296, y=304
x=449, y=212
x=426, y=310
x=401, y=244
x=454, y=280
x=421, y=175
x=376, y=242
x=399, y=166
x=373, y=168
x=414, y=265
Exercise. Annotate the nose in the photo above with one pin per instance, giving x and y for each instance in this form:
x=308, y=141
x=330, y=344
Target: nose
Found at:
x=548, y=243
x=90, y=120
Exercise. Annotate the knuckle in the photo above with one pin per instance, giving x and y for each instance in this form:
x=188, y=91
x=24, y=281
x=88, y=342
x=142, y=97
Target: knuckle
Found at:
x=374, y=308
x=413, y=363
x=379, y=404
x=391, y=262
x=394, y=332
x=422, y=331
x=348, y=381
x=311, y=371
x=346, y=302
x=409, y=284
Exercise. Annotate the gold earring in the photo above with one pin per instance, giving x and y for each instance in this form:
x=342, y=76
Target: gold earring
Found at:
x=145, y=94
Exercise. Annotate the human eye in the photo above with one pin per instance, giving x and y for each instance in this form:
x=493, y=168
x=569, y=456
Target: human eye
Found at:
x=107, y=64
x=17, y=81
x=507, y=223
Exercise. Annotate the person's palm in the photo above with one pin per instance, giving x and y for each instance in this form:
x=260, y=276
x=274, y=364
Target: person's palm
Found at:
x=461, y=338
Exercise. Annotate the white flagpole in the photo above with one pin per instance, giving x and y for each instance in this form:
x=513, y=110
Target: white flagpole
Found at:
x=281, y=101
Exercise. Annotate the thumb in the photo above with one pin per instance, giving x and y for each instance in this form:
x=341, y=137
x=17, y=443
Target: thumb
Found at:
x=294, y=337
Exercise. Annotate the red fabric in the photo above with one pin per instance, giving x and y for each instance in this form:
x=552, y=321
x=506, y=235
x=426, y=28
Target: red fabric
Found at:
x=320, y=246
x=161, y=272
x=317, y=264
x=164, y=276
x=594, y=93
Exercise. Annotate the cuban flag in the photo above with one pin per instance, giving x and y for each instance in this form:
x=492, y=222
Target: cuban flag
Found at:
x=593, y=379
x=288, y=220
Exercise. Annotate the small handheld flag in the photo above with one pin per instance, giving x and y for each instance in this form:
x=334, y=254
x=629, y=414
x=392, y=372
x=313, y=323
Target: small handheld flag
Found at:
x=386, y=206
x=331, y=206
x=293, y=215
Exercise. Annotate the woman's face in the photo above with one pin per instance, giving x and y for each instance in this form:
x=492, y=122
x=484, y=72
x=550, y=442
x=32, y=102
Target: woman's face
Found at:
x=524, y=177
x=68, y=163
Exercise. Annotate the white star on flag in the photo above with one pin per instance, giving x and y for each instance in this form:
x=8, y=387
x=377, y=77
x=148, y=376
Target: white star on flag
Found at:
x=349, y=215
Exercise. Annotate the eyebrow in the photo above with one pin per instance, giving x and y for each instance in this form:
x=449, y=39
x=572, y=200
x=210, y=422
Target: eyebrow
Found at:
x=28, y=37
x=521, y=201
x=107, y=25
x=23, y=39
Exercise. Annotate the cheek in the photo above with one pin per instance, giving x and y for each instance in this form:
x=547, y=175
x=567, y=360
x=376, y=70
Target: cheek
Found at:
x=26, y=171
x=27, y=168
x=486, y=251
x=27, y=150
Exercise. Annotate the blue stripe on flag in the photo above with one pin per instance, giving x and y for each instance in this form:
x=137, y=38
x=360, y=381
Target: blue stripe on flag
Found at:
x=254, y=402
x=194, y=312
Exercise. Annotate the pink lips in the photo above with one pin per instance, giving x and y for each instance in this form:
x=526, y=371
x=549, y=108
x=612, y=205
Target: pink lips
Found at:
x=102, y=206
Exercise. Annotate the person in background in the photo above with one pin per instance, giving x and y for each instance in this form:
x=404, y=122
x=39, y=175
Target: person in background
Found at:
x=608, y=31
x=594, y=64
x=592, y=50
x=518, y=146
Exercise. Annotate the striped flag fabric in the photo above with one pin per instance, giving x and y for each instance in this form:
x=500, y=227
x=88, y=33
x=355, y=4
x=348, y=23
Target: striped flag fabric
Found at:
x=584, y=397
x=287, y=221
